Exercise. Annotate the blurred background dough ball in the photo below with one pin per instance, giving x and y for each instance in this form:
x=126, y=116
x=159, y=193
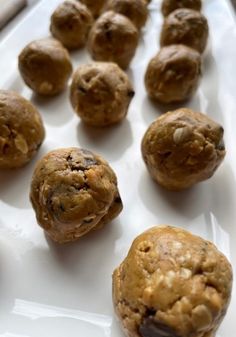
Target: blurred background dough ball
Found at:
x=101, y=93
x=182, y=148
x=113, y=38
x=74, y=191
x=95, y=6
x=185, y=26
x=172, y=284
x=45, y=66
x=173, y=74
x=135, y=10
x=71, y=23
x=169, y=6
x=21, y=130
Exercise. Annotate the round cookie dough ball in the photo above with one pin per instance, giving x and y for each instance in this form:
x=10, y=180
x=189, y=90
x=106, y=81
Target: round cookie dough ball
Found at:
x=182, y=148
x=71, y=23
x=21, y=130
x=45, y=66
x=113, y=38
x=73, y=191
x=172, y=284
x=169, y=6
x=95, y=6
x=101, y=93
x=185, y=26
x=173, y=74
x=135, y=10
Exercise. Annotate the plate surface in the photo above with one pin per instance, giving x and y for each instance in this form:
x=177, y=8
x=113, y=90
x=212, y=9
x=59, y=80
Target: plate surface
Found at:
x=47, y=290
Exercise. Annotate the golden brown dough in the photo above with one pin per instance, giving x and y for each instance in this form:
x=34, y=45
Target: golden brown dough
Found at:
x=182, y=148
x=172, y=284
x=74, y=191
x=169, y=6
x=21, y=130
x=95, y=6
x=45, y=66
x=71, y=23
x=185, y=26
x=101, y=93
x=173, y=74
x=113, y=38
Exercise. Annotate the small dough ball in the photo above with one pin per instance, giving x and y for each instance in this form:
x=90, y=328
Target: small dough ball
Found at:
x=169, y=6
x=95, y=6
x=135, y=10
x=45, y=66
x=101, y=93
x=172, y=284
x=182, y=148
x=173, y=74
x=185, y=26
x=21, y=130
x=113, y=38
x=74, y=191
x=71, y=23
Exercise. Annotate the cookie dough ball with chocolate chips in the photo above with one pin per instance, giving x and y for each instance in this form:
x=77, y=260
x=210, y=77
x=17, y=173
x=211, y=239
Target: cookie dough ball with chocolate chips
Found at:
x=21, y=130
x=169, y=6
x=74, y=191
x=113, y=38
x=101, y=93
x=45, y=66
x=185, y=26
x=173, y=74
x=182, y=148
x=135, y=10
x=172, y=284
x=71, y=23
x=95, y=6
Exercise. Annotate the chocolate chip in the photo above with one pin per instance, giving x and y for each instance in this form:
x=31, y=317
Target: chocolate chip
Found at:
x=221, y=145
x=131, y=93
x=82, y=90
x=118, y=200
x=152, y=328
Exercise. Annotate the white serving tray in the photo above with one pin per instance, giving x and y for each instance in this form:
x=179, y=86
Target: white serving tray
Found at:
x=48, y=290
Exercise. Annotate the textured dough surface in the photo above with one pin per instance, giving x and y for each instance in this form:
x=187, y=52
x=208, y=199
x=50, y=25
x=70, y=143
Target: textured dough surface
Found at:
x=172, y=284
x=95, y=6
x=169, y=6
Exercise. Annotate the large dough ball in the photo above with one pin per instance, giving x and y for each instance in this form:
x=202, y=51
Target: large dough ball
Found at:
x=135, y=10
x=45, y=66
x=113, y=38
x=73, y=191
x=21, y=130
x=169, y=6
x=95, y=6
x=172, y=284
x=173, y=74
x=185, y=26
x=71, y=23
x=101, y=93
x=182, y=148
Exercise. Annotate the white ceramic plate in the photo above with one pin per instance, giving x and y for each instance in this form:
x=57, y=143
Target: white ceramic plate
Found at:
x=52, y=291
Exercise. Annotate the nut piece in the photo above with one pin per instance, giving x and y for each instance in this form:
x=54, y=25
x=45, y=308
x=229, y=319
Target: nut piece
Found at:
x=182, y=148
x=169, y=6
x=95, y=6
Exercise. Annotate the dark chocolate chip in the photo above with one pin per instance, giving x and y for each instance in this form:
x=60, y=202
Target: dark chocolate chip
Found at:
x=131, y=93
x=82, y=90
x=221, y=145
x=118, y=200
x=152, y=328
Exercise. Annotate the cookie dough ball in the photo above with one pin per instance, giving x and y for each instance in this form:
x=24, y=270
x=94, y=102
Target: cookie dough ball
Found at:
x=135, y=10
x=101, y=93
x=172, y=284
x=21, y=130
x=95, y=6
x=185, y=26
x=45, y=66
x=71, y=23
x=113, y=38
x=173, y=74
x=182, y=148
x=74, y=191
x=169, y=6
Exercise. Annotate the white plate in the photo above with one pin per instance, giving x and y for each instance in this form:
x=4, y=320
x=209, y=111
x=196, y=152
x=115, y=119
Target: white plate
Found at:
x=52, y=291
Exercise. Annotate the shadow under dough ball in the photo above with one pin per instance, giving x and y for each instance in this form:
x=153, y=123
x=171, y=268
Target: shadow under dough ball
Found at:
x=101, y=93
x=95, y=6
x=113, y=38
x=172, y=284
x=182, y=148
x=21, y=130
x=185, y=26
x=173, y=74
x=169, y=6
x=135, y=10
x=71, y=23
x=45, y=66
x=74, y=191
